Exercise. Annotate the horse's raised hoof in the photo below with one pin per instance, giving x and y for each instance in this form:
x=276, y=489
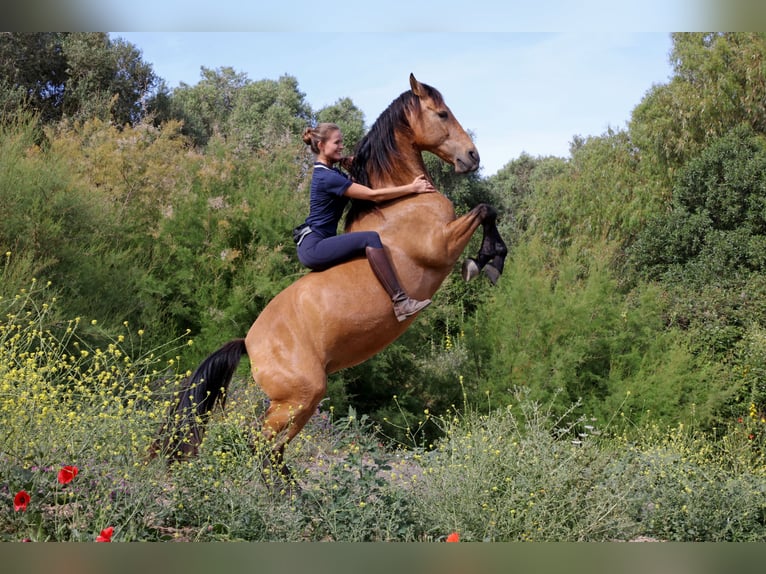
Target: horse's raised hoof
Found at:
x=492, y=273
x=470, y=269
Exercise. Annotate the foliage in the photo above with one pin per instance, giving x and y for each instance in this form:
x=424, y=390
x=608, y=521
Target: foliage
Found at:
x=526, y=473
x=248, y=115
x=602, y=195
x=514, y=186
x=105, y=79
x=78, y=422
x=715, y=230
x=32, y=72
x=570, y=333
x=74, y=76
x=519, y=474
x=718, y=83
x=266, y=112
x=709, y=247
x=51, y=224
x=131, y=225
x=349, y=118
x=202, y=108
x=66, y=403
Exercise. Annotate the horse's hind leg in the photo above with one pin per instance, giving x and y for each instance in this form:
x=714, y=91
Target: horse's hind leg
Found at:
x=291, y=406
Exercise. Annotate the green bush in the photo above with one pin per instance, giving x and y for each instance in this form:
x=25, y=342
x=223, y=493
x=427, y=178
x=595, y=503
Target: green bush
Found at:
x=717, y=223
x=571, y=333
x=524, y=473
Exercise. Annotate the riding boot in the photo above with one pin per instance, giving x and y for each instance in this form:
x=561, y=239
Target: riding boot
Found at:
x=404, y=306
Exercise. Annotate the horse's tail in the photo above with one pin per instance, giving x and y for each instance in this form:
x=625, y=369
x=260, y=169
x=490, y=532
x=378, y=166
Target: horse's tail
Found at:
x=182, y=433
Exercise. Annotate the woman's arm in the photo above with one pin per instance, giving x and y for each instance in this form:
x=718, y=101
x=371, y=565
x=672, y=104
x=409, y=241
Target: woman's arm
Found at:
x=419, y=185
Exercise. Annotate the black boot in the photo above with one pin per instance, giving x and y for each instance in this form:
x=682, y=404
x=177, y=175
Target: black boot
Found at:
x=404, y=306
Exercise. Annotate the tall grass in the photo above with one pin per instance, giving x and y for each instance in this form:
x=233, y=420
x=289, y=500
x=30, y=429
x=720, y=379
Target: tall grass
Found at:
x=513, y=472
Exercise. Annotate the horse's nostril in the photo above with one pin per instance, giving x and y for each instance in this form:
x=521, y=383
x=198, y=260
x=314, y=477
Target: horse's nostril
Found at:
x=474, y=155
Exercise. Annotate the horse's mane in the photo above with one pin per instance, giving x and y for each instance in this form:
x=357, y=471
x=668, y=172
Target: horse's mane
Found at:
x=377, y=151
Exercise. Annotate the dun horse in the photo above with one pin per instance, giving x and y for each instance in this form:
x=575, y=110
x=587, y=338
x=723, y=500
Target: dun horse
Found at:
x=333, y=319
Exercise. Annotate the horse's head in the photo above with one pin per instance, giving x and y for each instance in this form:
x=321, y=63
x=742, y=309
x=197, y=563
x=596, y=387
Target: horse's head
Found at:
x=390, y=153
x=435, y=129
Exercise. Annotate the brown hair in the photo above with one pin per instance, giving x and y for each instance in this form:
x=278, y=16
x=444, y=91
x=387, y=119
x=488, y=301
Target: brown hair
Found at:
x=312, y=136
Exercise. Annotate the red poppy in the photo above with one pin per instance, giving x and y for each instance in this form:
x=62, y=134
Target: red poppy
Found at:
x=454, y=537
x=20, y=501
x=106, y=535
x=67, y=474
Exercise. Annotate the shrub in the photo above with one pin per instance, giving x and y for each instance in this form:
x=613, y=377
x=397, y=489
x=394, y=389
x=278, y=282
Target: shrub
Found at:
x=66, y=403
x=523, y=473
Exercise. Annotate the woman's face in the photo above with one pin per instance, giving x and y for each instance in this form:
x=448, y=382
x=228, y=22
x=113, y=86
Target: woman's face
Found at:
x=332, y=148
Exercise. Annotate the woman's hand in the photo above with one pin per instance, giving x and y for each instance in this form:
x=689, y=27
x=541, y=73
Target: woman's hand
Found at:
x=421, y=185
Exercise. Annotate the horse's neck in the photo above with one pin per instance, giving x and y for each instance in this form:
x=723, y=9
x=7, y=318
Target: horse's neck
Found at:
x=407, y=165
x=417, y=210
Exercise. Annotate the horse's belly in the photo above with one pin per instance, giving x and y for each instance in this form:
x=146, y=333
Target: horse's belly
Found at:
x=337, y=318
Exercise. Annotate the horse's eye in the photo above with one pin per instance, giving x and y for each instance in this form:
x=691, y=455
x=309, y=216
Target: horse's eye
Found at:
x=443, y=114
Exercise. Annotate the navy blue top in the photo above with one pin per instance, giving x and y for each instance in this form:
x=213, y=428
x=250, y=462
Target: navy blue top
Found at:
x=326, y=200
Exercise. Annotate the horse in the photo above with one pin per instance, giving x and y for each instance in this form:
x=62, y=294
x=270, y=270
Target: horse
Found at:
x=333, y=319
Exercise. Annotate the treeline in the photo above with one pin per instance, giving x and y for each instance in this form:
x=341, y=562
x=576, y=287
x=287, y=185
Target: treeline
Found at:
x=636, y=279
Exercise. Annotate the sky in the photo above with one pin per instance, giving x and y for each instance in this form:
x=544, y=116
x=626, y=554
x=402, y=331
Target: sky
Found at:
x=516, y=92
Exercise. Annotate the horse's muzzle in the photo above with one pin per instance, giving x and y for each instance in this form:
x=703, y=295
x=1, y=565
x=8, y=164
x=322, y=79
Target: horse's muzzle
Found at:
x=467, y=162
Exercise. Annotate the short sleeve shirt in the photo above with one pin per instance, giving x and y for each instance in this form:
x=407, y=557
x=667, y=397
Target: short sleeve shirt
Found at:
x=326, y=200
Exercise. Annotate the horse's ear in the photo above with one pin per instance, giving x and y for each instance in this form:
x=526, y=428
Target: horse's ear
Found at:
x=417, y=88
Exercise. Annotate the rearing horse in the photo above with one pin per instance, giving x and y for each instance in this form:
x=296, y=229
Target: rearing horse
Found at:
x=333, y=319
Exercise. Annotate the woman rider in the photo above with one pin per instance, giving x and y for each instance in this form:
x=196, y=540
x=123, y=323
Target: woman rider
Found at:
x=319, y=245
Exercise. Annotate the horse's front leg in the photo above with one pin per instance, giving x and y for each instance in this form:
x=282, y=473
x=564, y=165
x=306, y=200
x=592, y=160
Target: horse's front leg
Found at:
x=492, y=253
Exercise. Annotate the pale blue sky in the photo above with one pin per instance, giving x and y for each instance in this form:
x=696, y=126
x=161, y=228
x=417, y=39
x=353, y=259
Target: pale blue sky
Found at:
x=517, y=92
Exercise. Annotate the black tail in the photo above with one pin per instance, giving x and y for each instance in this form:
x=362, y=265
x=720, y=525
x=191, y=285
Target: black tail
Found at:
x=182, y=433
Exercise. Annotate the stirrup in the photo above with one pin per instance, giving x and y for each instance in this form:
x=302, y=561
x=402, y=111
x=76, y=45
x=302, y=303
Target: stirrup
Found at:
x=408, y=307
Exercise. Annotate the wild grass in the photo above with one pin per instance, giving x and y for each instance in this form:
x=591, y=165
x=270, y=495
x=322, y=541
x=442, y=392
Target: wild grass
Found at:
x=515, y=472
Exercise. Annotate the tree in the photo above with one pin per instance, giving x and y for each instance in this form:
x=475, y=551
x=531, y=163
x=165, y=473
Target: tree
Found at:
x=33, y=73
x=719, y=82
x=247, y=115
x=74, y=75
x=716, y=229
x=267, y=112
x=132, y=81
x=205, y=107
x=514, y=184
x=90, y=69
